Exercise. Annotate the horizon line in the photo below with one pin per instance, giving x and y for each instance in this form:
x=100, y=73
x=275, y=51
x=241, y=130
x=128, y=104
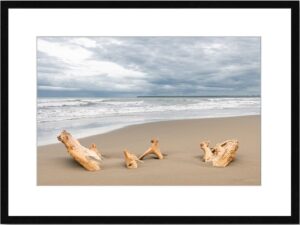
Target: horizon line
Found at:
x=193, y=96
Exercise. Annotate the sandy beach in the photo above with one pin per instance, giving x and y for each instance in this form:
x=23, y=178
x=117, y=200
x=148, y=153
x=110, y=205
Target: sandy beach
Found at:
x=179, y=140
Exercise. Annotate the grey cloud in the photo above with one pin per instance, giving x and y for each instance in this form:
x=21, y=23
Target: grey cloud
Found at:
x=183, y=65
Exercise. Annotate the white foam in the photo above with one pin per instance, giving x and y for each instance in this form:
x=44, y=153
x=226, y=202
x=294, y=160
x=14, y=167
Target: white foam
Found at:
x=100, y=114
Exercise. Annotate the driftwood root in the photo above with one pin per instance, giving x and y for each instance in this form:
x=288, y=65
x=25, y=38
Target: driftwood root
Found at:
x=153, y=149
x=131, y=160
x=222, y=154
x=89, y=158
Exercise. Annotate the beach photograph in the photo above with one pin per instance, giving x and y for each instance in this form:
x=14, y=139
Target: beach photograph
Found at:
x=142, y=110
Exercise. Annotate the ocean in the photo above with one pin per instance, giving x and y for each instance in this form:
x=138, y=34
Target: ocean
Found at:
x=89, y=116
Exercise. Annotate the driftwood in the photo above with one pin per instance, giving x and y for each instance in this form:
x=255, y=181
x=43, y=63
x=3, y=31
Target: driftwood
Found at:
x=154, y=149
x=131, y=160
x=222, y=154
x=87, y=157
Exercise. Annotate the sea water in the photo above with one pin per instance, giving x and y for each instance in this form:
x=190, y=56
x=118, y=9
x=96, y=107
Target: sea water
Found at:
x=88, y=116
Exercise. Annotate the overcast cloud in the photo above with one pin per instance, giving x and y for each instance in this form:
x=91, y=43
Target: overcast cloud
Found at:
x=131, y=66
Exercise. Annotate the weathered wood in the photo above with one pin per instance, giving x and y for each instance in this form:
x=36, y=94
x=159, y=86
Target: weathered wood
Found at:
x=89, y=158
x=222, y=154
x=131, y=160
x=208, y=153
x=154, y=149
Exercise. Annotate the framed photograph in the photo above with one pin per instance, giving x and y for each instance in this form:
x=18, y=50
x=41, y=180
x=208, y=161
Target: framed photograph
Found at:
x=150, y=112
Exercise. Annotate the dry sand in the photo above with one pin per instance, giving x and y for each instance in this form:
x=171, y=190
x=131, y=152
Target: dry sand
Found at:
x=183, y=164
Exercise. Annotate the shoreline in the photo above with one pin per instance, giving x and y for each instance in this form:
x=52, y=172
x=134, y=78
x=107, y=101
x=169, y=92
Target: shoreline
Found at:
x=179, y=139
x=79, y=137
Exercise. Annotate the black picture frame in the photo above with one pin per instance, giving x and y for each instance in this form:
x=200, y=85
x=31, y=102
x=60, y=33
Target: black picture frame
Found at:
x=294, y=218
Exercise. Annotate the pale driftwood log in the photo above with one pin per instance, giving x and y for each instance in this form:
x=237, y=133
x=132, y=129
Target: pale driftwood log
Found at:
x=131, y=160
x=89, y=158
x=222, y=154
x=154, y=149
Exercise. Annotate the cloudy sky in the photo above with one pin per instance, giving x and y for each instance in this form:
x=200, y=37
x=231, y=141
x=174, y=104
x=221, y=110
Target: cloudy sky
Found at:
x=132, y=66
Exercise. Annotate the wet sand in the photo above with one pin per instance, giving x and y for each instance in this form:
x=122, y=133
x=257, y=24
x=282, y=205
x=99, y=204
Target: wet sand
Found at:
x=182, y=165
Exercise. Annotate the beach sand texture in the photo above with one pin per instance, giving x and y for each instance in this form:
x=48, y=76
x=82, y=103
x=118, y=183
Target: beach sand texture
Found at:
x=182, y=165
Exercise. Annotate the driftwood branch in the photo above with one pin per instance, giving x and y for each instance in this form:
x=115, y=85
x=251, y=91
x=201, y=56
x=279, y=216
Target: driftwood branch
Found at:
x=131, y=160
x=222, y=154
x=89, y=158
x=154, y=149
